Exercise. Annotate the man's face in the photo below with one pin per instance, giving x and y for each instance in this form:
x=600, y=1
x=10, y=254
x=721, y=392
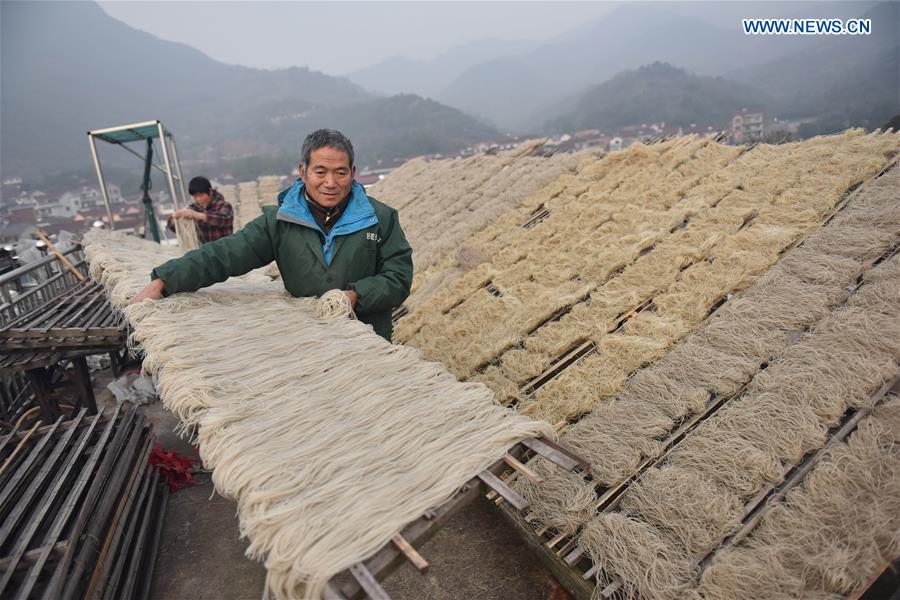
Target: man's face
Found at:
x=202, y=199
x=328, y=177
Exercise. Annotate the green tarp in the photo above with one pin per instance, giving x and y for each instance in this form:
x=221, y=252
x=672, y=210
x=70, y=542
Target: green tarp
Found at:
x=128, y=133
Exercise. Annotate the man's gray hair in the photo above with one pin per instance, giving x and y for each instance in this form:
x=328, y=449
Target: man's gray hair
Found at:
x=322, y=138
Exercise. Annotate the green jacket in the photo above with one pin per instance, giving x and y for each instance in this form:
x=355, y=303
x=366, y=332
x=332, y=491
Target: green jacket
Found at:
x=365, y=251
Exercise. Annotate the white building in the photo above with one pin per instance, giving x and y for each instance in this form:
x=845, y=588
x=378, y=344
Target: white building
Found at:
x=747, y=127
x=56, y=210
x=89, y=197
x=35, y=198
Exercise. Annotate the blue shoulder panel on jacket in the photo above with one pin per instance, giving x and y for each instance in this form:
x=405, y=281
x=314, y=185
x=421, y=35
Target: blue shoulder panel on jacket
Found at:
x=358, y=215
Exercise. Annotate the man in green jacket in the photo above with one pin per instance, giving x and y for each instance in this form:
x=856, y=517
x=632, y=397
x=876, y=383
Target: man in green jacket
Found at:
x=325, y=234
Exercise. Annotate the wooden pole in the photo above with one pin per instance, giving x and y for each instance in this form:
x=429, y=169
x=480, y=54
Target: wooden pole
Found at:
x=60, y=255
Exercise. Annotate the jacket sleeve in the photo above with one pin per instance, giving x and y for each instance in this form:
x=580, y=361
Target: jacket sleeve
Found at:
x=248, y=249
x=390, y=286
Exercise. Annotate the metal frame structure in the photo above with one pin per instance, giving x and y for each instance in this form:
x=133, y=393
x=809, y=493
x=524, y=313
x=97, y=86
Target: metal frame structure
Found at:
x=135, y=132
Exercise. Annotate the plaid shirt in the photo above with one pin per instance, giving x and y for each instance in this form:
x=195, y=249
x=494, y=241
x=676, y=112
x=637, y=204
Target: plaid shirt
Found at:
x=219, y=219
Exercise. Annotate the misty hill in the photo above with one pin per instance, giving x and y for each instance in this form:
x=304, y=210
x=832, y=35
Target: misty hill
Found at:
x=87, y=70
x=407, y=124
x=398, y=75
x=399, y=126
x=521, y=92
x=843, y=80
x=654, y=93
x=512, y=90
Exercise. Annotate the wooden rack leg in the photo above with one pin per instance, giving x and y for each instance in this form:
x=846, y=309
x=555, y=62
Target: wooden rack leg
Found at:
x=83, y=383
x=40, y=383
x=114, y=365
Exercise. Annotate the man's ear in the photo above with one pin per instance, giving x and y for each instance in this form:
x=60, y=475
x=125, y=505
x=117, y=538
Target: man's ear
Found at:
x=302, y=172
x=353, y=172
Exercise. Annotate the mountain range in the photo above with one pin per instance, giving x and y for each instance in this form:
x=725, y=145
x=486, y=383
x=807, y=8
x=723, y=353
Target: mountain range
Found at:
x=657, y=93
x=398, y=74
x=522, y=92
x=641, y=62
x=842, y=81
x=87, y=70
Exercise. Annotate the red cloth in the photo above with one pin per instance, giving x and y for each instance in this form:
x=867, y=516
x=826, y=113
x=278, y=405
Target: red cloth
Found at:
x=176, y=468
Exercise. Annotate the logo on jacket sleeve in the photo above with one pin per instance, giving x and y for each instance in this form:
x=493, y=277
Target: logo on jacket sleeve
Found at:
x=373, y=237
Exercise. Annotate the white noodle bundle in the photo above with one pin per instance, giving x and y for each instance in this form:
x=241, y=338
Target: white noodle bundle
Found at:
x=334, y=304
x=330, y=438
x=186, y=232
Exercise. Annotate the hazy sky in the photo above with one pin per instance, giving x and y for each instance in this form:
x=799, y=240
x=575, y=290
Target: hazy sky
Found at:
x=338, y=37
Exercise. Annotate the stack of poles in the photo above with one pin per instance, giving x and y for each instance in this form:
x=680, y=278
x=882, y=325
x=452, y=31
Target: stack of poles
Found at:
x=81, y=510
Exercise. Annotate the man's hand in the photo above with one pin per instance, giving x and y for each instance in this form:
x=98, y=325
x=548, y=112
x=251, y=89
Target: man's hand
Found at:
x=351, y=296
x=154, y=291
x=187, y=213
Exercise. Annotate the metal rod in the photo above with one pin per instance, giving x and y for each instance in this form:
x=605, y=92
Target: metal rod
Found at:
x=11, y=276
x=165, y=151
x=102, y=181
x=184, y=197
x=38, y=314
x=152, y=225
x=130, y=127
x=133, y=151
